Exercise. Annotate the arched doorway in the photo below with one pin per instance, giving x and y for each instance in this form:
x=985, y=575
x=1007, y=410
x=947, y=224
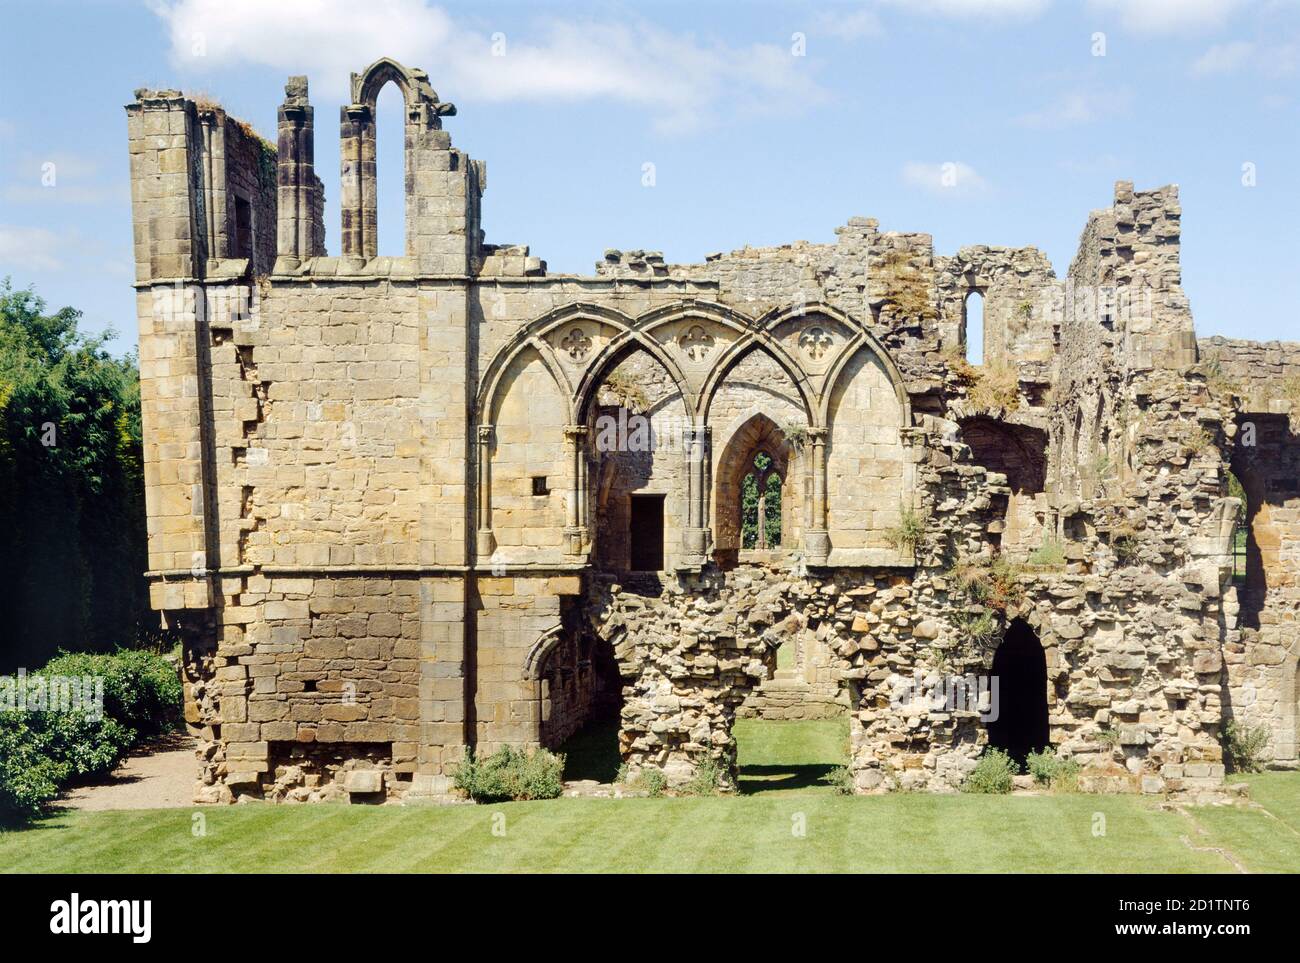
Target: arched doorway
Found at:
x=1020, y=668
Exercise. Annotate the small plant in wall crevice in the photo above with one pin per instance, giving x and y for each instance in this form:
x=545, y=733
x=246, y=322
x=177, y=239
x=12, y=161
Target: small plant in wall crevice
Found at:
x=907, y=534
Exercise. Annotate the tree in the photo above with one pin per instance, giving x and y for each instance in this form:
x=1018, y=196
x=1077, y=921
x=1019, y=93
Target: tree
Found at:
x=71, y=486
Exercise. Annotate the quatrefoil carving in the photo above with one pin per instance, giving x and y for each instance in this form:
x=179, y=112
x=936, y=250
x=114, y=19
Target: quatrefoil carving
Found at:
x=696, y=343
x=576, y=344
x=815, y=343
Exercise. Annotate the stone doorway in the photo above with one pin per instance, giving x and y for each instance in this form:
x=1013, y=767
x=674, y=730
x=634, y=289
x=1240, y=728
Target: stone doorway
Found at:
x=1020, y=671
x=582, y=699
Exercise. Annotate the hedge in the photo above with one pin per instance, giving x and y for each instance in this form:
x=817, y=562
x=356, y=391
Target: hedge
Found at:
x=43, y=748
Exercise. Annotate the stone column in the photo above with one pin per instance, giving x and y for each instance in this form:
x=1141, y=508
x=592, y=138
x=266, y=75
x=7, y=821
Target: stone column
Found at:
x=213, y=153
x=695, y=536
x=295, y=238
x=357, y=174
x=817, y=541
x=575, y=520
x=485, y=543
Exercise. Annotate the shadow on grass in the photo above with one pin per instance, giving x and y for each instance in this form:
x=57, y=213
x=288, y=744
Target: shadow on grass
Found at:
x=782, y=777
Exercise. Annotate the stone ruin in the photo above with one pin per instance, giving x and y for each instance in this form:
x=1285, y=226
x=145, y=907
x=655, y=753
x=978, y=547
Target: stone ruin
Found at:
x=404, y=507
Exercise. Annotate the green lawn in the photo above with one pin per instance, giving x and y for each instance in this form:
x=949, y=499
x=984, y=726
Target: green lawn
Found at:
x=789, y=756
x=787, y=830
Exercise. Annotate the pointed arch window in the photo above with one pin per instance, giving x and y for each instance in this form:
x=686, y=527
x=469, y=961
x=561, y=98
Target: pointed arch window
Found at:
x=760, y=504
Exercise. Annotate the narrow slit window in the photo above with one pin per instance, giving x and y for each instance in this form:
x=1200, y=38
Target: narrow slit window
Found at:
x=974, y=324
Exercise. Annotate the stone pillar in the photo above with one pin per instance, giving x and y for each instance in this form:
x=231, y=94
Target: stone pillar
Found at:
x=295, y=176
x=485, y=544
x=575, y=521
x=212, y=147
x=817, y=541
x=695, y=536
x=357, y=188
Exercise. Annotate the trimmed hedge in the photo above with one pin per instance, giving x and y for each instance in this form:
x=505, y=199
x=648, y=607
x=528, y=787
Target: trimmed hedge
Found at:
x=43, y=749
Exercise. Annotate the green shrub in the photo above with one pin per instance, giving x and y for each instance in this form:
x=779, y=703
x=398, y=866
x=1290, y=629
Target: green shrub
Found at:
x=653, y=781
x=28, y=777
x=1243, y=746
x=41, y=750
x=88, y=746
x=840, y=779
x=706, y=781
x=1049, y=769
x=141, y=689
x=992, y=774
x=511, y=773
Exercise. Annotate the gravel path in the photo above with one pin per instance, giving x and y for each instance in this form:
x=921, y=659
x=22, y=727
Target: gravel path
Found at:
x=158, y=775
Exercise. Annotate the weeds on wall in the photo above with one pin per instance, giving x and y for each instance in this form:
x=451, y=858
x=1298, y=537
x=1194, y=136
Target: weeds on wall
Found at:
x=908, y=288
x=907, y=534
x=988, y=586
x=994, y=385
x=1049, y=555
x=626, y=392
x=1243, y=746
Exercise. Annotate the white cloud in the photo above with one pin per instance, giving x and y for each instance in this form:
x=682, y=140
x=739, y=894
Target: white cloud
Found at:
x=1272, y=60
x=1166, y=16
x=680, y=82
x=1076, y=107
x=973, y=9
x=1224, y=58
x=944, y=178
x=30, y=248
x=841, y=24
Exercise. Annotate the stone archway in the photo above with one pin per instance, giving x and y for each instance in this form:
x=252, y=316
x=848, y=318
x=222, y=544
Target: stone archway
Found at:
x=1020, y=668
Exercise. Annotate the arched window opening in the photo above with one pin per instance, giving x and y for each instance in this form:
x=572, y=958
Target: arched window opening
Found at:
x=760, y=504
x=973, y=323
x=390, y=171
x=1020, y=725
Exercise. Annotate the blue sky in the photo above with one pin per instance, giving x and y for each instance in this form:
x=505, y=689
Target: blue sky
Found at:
x=756, y=135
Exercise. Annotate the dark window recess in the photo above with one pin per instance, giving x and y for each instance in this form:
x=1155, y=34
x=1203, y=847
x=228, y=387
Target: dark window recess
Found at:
x=243, y=241
x=646, y=533
x=539, y=485
x=309, y=685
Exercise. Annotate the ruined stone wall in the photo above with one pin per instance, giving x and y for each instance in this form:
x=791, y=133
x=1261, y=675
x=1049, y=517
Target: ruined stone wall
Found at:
x=341, y=455
x=1262, y=645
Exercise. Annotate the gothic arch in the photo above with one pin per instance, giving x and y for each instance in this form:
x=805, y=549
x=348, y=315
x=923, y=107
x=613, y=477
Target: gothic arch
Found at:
x=367, y=84
x=865, y=342
x=358, y=193
x=534, y=334
x=609, y=357
x=539, y=650
x=752, y=433
x=743, y=348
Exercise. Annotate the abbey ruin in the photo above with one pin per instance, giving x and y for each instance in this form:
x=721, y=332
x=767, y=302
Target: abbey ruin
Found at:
x=401, y=507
